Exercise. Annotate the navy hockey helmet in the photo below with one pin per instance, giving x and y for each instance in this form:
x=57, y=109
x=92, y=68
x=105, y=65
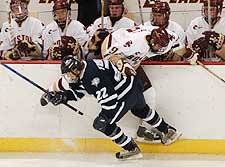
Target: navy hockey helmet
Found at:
x=70, y=64
x=71, y=68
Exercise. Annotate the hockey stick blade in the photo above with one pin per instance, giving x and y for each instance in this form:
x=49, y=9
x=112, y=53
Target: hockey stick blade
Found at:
x=37, y=86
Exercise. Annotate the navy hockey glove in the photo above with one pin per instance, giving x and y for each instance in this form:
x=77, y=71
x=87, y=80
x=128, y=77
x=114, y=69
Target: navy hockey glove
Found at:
x=44, y=99
x=58, y=98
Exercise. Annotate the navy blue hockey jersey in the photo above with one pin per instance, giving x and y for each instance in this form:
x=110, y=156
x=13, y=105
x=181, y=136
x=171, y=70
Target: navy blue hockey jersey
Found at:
x=101, y=79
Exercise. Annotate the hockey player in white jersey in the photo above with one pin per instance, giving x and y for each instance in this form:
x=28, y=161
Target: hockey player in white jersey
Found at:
x=97, y=32
x=63, y=28
x=21, y=34
x=126, y=48
x=160, y=17
x=206, y=33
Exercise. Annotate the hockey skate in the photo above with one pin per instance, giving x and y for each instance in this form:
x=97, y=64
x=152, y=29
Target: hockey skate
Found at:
x=147, y=136
x=171, y=136
x=128, y=155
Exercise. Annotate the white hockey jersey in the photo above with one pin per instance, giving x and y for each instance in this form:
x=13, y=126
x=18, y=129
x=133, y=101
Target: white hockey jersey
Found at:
x=52, y=34
x=124, y=22
x=177, y=29
x=198, y=26
x=30, y=29
x=133, y=45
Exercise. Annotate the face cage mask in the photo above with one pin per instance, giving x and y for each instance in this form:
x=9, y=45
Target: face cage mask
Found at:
x=22, y=13
x=213, y=19
x=74, y=78
x=62, y=24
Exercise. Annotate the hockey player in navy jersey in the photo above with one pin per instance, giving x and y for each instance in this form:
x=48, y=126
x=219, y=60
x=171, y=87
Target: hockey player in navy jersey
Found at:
x=115, y=92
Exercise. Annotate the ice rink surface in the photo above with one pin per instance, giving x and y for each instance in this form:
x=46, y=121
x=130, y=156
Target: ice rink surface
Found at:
x=108, y=160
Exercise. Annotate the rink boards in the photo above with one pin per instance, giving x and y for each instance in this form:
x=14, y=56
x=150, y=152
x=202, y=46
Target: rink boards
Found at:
x=188, y=97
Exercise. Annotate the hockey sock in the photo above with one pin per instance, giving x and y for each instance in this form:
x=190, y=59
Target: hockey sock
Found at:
x=150, y=97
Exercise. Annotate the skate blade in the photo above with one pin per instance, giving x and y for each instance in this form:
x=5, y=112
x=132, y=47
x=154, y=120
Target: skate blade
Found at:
x=177, y=136
x=143, y=140
x=137, y=156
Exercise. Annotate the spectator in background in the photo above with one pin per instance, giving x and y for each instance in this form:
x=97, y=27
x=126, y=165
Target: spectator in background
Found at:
x=206, y=33
x=21, y=37
x=88, y=11
x=97, y=32
x=63, y=34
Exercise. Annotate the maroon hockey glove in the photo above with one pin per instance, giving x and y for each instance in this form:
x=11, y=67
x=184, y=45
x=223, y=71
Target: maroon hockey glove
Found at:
x=215, y=39
x=200, y=45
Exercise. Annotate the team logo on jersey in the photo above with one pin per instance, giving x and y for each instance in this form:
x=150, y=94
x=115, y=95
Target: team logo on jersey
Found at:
x=128, y=43
x=195, y=27
x=95, y=81
x=52, y=31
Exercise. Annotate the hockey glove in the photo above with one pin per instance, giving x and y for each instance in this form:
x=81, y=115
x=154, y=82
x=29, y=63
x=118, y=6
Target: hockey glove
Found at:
x=97, y=39
x=55, y=52
x=27, y=48
x=44, y=99
x=58, y=98
x=12, y=54
x=215, y=39
x=125, y=68
x=200, y=45
x=191, y=56
x=70, y=47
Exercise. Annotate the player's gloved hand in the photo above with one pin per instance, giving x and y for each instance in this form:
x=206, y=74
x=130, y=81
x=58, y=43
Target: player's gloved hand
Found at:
x=12, y=54
x=191, y=56
x=102, y=33
x=58, y=98
x=125, y=68
x=215, y=39
x=200, y=45
x=97, y=39
x=25, y=45
x=44, y=99
x=55, y=52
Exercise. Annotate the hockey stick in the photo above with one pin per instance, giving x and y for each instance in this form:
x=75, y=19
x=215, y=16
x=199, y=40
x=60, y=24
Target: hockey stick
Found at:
x=68, y=18
x=140, y=10
x=37, y=86
x=102, y=13
x=210, y=71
